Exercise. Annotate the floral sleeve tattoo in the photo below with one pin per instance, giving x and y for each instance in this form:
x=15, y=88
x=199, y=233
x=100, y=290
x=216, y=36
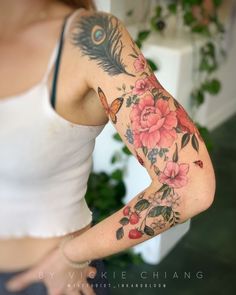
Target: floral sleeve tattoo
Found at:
x=156, y=121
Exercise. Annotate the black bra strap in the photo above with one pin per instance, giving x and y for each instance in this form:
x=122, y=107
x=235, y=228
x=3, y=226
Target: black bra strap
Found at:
x=57, y=64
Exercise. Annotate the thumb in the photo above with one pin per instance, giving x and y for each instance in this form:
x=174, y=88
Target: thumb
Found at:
x=20, y=281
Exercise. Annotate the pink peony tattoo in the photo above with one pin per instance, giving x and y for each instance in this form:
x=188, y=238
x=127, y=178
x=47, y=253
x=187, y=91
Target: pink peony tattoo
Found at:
x=153, y=123
x=185, y=123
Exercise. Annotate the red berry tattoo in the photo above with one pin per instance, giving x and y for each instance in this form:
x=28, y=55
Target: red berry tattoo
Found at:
x=135, y=234
x=134, y=218
x=126, y=210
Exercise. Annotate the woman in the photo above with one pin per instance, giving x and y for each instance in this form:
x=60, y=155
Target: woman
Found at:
x=49, y=121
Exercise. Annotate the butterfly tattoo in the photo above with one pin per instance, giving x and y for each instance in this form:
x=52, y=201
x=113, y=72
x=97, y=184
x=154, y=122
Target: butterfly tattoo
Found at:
x=113, y=108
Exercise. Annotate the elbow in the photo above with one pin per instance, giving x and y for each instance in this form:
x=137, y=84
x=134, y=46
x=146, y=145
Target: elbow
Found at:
x=201, y=195
x=208, y=193
x=209, y=187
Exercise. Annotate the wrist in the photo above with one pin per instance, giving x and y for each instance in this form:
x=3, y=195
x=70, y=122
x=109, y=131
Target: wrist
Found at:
x=77, y=264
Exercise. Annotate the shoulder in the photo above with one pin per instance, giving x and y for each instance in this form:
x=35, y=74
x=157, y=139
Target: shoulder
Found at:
x=102, y=43
x=85, y=19
x=90, y=31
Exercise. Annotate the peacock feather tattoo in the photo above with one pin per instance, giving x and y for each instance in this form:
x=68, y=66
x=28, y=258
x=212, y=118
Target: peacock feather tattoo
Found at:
x=98, y=36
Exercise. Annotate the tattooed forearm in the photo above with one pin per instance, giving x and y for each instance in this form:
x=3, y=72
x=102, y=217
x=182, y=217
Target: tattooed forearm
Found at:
x=99, y=37
x=158, y=210
x=149, y=214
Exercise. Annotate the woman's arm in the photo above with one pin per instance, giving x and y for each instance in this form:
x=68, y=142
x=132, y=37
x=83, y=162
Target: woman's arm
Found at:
x=155, y=128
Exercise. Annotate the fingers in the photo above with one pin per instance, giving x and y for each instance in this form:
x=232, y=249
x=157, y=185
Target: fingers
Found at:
x=91, y=272
x=20, y=281
x=75, y=292
x=87, y=290
x=84, y=289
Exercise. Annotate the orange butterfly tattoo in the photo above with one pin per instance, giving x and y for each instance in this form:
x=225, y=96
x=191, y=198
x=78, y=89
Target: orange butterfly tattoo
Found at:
x=114, y=107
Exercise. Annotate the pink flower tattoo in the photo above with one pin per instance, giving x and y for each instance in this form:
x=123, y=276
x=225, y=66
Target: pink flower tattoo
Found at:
x=154, y=83
x=153, y=123
x=174, y=174
x=141, y=86
x=140, y=63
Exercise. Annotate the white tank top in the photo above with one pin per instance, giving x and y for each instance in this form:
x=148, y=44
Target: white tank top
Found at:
x=45, y=162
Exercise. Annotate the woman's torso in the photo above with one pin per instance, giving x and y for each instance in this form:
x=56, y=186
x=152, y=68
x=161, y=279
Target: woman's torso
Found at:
x=21, y=68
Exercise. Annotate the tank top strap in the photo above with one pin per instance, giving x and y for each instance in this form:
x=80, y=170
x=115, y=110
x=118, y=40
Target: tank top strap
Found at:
x=56, y=59
x=54, y=54
x=66, y=25
x=51, y=62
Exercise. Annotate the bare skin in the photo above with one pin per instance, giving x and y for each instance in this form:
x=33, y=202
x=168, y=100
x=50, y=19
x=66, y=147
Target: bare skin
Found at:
x=20, y=70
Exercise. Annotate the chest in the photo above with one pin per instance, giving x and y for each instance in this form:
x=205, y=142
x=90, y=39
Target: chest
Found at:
x=36, y=142
x=23, y=62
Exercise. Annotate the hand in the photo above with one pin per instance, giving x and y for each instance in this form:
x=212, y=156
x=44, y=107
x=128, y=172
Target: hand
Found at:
x=59, y=278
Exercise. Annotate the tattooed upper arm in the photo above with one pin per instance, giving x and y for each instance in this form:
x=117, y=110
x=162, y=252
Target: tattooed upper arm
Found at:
x=153, y=125
x=98, y=36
